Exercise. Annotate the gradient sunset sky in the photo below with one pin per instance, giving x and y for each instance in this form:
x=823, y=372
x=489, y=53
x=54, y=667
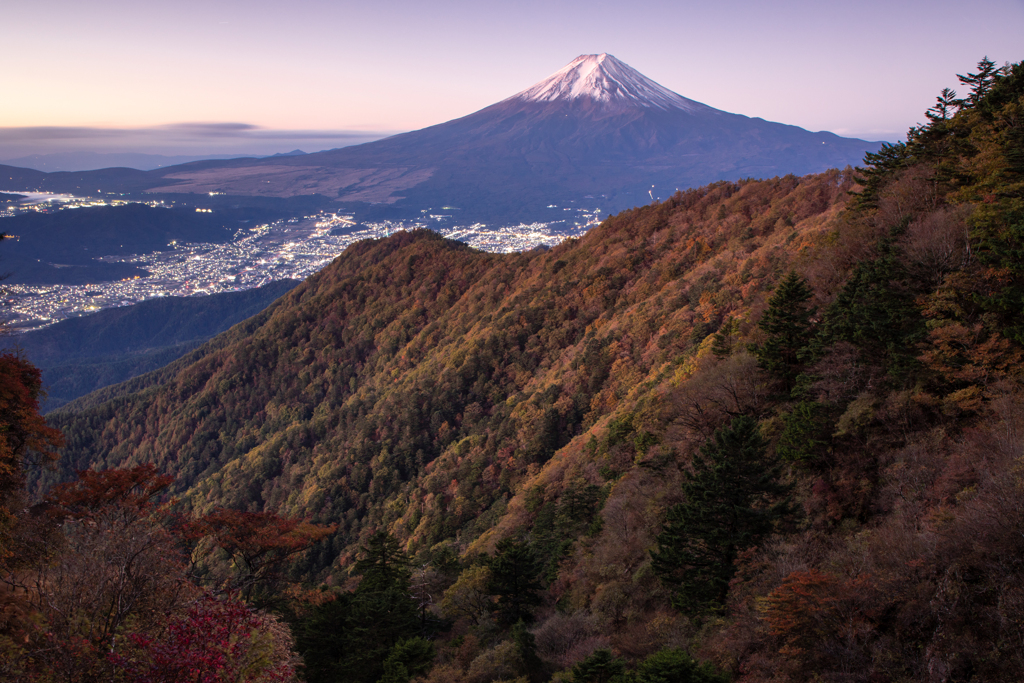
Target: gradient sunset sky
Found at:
x=234, y=75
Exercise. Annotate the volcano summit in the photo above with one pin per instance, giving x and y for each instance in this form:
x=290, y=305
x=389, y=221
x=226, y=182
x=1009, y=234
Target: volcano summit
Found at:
x=608, y=82
x=596, y=128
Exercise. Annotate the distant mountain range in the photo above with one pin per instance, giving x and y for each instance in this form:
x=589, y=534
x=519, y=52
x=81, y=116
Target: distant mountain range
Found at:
x=596, y=128
x=88, y=161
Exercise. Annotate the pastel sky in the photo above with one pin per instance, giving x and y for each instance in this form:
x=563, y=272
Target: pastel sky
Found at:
x=309, y=73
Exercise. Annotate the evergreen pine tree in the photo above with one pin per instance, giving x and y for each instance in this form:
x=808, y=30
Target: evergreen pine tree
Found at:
x=982, y=81
x=732, y=502
x=382, y=611
x=394, y=672
x=881, y=167
x=385, y=565
x=600, y=667
x=408, y=658
x=806, y=432
x=321, y=637
x=514, y=572
x=788, y=325
x=725, y=338
x=377, y=622
x=677, y=666
x=946, y=105
x=526, y=645
x=876, y=311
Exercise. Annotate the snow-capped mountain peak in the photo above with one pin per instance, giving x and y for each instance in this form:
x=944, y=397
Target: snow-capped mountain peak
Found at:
x=606, y=80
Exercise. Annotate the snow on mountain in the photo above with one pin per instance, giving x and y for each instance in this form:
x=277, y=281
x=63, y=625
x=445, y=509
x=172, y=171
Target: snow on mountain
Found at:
x=606, y=80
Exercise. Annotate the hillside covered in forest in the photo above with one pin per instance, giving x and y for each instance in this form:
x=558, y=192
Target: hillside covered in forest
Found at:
x=80, y=355
x=762, y=431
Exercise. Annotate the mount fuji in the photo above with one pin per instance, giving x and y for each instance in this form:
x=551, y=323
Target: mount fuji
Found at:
x=597, y=128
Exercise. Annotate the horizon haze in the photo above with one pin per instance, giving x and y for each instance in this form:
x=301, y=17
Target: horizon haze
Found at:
x=234, y=79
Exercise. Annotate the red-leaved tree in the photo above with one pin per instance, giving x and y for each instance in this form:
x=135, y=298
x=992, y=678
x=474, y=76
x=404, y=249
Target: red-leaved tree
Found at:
x=214, y=641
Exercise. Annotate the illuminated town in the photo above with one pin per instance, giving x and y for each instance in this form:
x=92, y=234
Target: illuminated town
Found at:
x=294, y=248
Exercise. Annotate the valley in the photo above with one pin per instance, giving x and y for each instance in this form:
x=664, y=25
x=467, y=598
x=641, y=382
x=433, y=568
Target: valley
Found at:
x=287, y=248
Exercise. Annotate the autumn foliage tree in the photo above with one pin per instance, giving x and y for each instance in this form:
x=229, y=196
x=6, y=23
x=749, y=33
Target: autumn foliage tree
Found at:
x=110, y=593
x=24, y=438
x=114, y=597
x=132, y=493
x=823, y=621
x=24, y=434
x=258, y=544
x=115, y=563
x=214, y=641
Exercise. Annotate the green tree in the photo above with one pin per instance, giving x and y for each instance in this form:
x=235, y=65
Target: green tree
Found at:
x=394, y=672
x=946, y=105
x=881, y=167
x=408, y=658
x=381, y=613
x=876, y=311
x=377, y=622
x=787, y=322
x=601, y=666
x=675, y=665
x=733, y=499
x=806, y=432
x=321, y=638
x=526, y=645
x=514, y=572
x=384, y=566
x=725, y=339
x=981, y=82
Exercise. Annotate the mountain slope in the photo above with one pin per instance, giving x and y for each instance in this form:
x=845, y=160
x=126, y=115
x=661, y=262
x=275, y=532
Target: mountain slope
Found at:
x=417, y=369
x=81, y=355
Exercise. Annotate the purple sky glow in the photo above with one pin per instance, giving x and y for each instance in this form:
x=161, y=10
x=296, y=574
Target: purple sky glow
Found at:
x=260, y=76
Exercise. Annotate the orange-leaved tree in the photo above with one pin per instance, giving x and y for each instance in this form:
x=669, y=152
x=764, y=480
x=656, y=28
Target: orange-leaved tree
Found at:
x=258, y=545
x=115, y=598
x=23, y=434
x=823, y=621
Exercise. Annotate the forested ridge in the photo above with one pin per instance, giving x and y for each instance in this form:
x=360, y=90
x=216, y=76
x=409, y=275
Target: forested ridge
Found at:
x=80, y=355
x=762, y=431
x=416, y=358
